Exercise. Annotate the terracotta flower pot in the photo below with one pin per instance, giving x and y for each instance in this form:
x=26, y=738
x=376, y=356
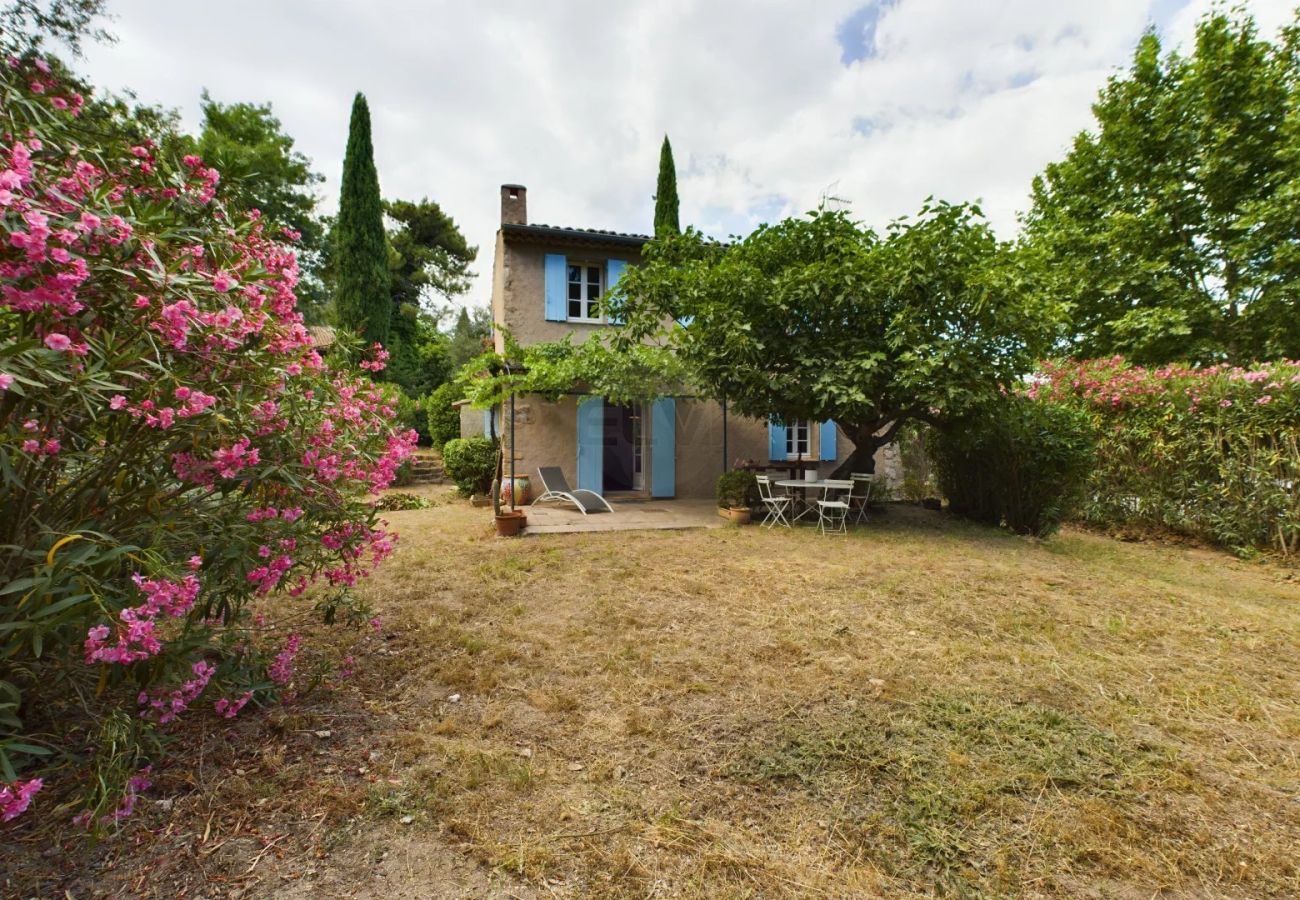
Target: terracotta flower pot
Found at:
x=509, y=523
x=739, y=514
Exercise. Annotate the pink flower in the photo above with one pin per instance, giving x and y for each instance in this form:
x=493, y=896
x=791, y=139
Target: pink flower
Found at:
x=30, y=446
x=6, y=381
x=117, y=402
x=223, y=282
x=57, y=341
x=1266, y=399
x=16, y=797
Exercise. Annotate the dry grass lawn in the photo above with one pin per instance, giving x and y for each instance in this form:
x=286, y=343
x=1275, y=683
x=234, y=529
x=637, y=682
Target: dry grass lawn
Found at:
x=921, y=708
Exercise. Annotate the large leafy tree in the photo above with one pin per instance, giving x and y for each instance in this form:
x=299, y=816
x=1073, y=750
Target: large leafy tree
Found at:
x=429, y=262
x=1171, y=229
x=473, y=326
x=362, y=300
x=260, y=169
x=666, y=221
x=431, y=258
x=819, y=318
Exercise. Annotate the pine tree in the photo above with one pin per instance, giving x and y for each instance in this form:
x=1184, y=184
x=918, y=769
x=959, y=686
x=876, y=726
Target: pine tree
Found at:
x=361, y=296
x=666, y=194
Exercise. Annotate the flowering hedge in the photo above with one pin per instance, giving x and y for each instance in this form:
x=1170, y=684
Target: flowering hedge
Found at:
x=1211, y=452
x=172, y=447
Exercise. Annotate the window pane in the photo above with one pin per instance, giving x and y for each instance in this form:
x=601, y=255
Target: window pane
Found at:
x=593, y=275
x=575, y=309
x=575, y=273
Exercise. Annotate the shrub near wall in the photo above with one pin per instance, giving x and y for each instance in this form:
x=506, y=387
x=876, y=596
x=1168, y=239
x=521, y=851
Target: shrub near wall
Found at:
x=1017, y=462
x=471, y=462
x=1208, y=452
x=443, y=419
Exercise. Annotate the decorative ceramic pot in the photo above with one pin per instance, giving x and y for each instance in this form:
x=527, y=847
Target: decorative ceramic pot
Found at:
x=522, y=490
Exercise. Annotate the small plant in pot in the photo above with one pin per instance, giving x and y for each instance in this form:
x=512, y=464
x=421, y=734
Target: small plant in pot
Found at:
x=737, y=495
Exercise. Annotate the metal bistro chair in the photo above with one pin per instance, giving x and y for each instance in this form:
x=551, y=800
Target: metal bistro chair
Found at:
x=832, y=515
x=861, y=495
x=776, y=504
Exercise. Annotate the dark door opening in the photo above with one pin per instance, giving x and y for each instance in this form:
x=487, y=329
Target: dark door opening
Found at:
x=622, y=448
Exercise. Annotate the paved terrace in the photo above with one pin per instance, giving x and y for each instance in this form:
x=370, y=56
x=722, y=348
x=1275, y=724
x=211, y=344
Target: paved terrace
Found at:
x=628, y=515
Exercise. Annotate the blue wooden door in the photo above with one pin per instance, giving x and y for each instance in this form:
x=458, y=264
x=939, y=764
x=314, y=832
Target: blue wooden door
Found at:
x=591, y=444
x=663, y=448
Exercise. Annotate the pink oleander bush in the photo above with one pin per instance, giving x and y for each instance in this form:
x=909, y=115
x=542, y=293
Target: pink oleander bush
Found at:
x=172, y=448
x=1210, y=452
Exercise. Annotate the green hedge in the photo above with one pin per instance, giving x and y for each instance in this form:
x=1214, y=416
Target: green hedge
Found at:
x=1210, y=452
x=410, y=416
x=471, y=462
x=1018, y=463
x=443, y=419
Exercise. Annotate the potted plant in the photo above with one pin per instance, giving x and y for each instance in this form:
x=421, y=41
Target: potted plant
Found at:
x=737, y=493
x=508, y=521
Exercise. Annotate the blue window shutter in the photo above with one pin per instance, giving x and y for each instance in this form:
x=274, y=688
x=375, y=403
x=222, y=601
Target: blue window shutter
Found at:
x=775, y=439
x=614, y=270
x=557, y=287
x=826, y=439
x=487, y=423
x=591, y=444
x=663, y=448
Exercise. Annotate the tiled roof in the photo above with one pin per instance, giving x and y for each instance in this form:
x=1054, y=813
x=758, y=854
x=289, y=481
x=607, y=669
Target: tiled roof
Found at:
x=580, y=235
x=322, y=335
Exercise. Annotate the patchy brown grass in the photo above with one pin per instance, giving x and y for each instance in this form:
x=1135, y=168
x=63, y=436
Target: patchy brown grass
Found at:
x=920, y=708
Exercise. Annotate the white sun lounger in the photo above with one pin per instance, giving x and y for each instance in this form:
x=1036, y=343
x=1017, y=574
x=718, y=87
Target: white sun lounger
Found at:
x=555, y=487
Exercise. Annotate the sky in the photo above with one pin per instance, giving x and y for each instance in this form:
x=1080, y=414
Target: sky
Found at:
x=771, y=105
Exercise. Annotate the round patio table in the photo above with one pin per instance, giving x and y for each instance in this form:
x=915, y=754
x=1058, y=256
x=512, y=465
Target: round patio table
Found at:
x=821, y=485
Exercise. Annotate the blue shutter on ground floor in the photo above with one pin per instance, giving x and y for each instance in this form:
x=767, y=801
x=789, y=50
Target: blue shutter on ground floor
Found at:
x=614, y=270
x=827, y=441
x=775, y=439
x=556, y=281
x=591, y=445
x=663, y=448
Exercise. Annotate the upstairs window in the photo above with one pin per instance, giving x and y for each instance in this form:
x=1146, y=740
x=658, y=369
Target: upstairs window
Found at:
x=586, y=285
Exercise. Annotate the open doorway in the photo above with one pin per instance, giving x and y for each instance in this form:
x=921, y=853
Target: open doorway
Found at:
x=624, y=448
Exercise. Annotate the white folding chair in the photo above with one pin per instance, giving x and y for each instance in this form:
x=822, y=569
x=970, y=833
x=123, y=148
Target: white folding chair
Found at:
x=860, y=496
x=832, y=515
x=776, y=504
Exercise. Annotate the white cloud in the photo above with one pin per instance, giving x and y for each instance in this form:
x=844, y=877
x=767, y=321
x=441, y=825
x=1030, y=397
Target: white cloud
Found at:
x=957, y=99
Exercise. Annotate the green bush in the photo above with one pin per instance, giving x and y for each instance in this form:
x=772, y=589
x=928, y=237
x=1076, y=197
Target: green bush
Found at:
x=410, y=416
x=737, y=488
x=1213, y=452
x=442, y=419
x=1020, y=463
x=471, y=462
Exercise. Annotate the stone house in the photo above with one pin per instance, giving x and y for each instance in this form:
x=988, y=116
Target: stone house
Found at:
x=546, y=281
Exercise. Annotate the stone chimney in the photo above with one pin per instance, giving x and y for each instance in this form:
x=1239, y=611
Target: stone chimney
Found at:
x=514, y=204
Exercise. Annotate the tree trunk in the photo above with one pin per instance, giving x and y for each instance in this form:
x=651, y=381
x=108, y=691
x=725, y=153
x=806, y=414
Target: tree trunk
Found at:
x=863, y=457
x=869, y=438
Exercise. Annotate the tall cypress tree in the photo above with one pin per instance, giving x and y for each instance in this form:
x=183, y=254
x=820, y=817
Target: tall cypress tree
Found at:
x=666, y=194
x=361, y=296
